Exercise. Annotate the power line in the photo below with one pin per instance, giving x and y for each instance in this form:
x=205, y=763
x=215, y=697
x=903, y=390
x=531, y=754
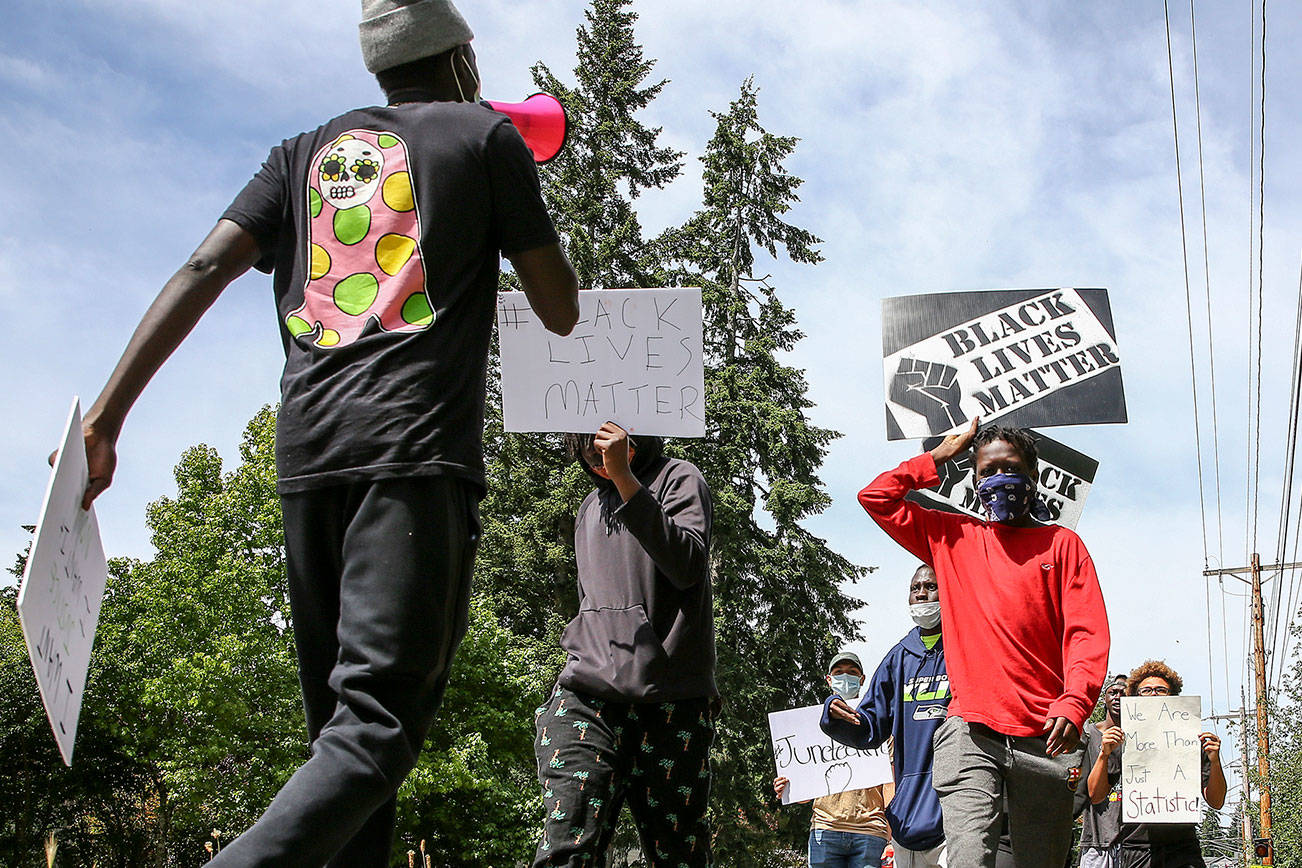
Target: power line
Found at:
x=1261, y=231
x=1188, y=303
x=1207, y=285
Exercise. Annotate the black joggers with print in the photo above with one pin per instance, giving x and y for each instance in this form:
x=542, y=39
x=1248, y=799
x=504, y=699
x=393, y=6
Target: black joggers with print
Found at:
x=379, y=583
x=593, y=755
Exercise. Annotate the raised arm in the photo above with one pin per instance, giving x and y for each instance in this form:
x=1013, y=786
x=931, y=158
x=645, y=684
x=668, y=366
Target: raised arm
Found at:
x=224, y=255
x=910, y=524
x=1099, y=784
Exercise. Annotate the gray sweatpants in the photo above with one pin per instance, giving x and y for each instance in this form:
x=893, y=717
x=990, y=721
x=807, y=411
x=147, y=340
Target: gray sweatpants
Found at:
x=979, y=772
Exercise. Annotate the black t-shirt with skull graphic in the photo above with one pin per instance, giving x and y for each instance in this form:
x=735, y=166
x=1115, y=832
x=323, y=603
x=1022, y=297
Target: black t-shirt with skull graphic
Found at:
x=383, y=228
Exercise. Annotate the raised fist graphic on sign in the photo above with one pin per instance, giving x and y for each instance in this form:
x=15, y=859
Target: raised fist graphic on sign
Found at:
x=929, y=388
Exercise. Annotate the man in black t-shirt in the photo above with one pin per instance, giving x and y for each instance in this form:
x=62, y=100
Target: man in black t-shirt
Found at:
x=1101, y=834
x=383, y=228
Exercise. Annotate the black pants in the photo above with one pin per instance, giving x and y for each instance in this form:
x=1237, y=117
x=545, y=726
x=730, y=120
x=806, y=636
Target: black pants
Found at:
x=379, y=584
x=1181, y=855
x=595, y=755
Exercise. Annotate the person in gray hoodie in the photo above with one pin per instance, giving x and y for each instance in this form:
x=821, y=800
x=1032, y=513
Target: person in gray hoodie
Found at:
x=631, y=718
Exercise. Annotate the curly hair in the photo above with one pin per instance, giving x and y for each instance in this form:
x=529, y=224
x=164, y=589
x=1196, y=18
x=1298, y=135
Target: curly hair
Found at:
x=1018, y=438
x=1154, y=669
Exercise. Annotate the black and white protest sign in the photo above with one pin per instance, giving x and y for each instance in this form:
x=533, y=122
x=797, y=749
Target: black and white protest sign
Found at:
x=1031, y=357
x=1161, y=759
x=816, y=765
x=1065, y=478
x=634, y=358
x=63, y=585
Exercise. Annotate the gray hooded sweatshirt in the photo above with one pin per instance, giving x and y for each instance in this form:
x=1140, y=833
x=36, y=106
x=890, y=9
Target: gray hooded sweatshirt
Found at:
x=645, y=628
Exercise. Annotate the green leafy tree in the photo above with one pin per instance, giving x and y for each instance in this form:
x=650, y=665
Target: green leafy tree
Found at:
x=1285, y=767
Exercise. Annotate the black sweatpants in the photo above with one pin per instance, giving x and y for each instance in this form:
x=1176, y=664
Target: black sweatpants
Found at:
x=593, y=755
x=379, y=584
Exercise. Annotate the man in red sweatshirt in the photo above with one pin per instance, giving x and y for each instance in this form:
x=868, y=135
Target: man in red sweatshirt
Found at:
x=1026, y=644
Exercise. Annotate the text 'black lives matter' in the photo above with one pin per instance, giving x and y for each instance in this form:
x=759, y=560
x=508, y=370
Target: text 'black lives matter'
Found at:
x=1029, y=357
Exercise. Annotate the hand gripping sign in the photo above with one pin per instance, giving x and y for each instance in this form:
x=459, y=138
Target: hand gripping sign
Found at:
x=1033, y=357
x=633, y=358
x=63, y=585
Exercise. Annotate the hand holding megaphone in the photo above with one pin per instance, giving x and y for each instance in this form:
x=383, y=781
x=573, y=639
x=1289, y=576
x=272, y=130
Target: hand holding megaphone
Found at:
x=541, y=121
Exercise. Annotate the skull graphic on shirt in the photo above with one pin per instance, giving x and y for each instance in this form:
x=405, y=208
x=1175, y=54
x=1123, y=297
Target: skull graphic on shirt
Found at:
x=365, y=262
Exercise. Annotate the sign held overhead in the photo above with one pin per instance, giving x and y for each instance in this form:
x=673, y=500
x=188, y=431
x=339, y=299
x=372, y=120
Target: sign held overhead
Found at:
x=1032, y=357
x=634, y=359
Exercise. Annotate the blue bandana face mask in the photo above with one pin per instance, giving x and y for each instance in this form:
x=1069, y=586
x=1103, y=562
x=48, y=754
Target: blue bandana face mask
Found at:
x=1009, y=496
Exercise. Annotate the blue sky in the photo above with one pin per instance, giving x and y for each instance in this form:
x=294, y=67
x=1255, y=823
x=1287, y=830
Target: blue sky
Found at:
x=945, y=145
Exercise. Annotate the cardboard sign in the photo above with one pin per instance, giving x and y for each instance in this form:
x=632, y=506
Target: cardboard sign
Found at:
x=815, y=764
x=1161, y=762
x=1065, y=480
x=634, y=358
x=62, y=588
x=1030, y=357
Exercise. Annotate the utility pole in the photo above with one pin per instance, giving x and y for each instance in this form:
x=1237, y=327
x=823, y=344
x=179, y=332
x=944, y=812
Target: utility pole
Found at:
x=1254, y=570
x=1243, y=770
x=1240, y=716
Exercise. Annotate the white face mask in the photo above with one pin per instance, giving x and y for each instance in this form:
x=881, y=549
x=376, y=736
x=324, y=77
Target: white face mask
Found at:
x=925, y=615
x=846, y=686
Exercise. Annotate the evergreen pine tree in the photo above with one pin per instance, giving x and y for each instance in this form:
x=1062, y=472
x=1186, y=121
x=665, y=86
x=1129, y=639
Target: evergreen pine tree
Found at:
x=779, y=607
x=526, y=562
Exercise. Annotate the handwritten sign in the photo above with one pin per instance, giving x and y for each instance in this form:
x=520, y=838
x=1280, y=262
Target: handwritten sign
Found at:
x=1066, y=477
x=63, y=585
x=634, y=358
x=1032, y=357
x=1161, y=763
x=815, y=764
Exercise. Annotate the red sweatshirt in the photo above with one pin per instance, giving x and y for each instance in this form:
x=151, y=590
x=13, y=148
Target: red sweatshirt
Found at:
x=1026, y=634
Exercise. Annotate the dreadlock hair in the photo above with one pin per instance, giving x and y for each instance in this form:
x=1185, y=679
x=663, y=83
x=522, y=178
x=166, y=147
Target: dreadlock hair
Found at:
x=1154, y=669
x=1018, y=438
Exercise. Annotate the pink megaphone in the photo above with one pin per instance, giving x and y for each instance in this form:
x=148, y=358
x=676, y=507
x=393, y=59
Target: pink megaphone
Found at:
x=540, y=120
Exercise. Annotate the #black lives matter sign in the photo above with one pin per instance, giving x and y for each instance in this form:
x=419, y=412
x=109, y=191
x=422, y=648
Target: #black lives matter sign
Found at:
x=1065, y=479
x=1029, y=357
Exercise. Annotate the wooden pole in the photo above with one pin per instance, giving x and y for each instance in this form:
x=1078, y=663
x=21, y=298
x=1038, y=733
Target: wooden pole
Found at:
x=1263, y=728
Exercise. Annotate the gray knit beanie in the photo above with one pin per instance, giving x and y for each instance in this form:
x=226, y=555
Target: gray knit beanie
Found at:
x=400, y=31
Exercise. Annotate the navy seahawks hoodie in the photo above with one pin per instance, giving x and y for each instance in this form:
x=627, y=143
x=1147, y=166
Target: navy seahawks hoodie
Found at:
x=907, y=698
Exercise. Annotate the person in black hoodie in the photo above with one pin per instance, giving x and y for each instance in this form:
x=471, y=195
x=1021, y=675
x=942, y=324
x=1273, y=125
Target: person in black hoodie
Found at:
x=631, y=718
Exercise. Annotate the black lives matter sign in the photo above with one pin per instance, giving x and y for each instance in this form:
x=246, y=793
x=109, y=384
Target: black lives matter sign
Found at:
x=1065, y=477
x=1030, y=357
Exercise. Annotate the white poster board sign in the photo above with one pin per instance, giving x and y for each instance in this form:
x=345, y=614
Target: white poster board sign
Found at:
x=62, y=588
x=1161, y=764
x=634, y=358
x=816, y=764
